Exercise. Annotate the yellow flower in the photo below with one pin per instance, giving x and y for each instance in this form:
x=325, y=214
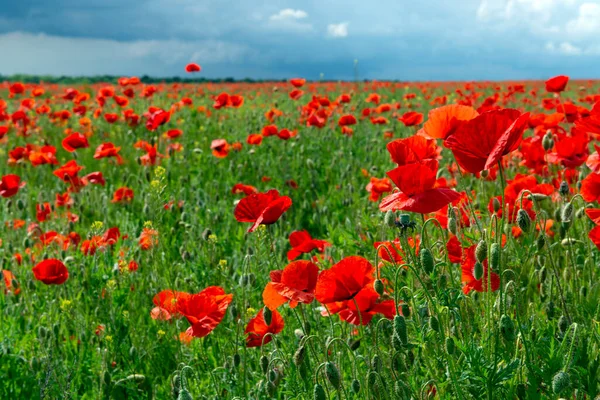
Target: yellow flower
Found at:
x=65, y=305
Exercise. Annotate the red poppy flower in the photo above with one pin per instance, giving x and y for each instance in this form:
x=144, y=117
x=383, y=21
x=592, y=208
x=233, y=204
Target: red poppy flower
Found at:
x=42, y=211
x=593, y=214
x=594, y=236
x=108, y=150
x=557, y=84
x=417, y=190
x=481, y=285
x=443, y=121
x=51, y=272
x=344, y=280
x=454, y=249
x=220, y=148
x=9, y=279
x=590, y=188
x=148, y=238
x=10, y=185
x=570, y=151
x=413, y=149
x=192, y=67
x=166, y=303
x=296, y=94
x=254, y=139
x=262, y=208
x=204, y=310
x=593, y=161
x=303, y=243
x=296, y=284
x=377, y=187
x=95, y=178
x=257, y=329
x=123, y=195
x=346, y=120
x=75, y=141
x=270, y=130
x=411, y=118
x=392, y=251
x=369, y=305
x=480, y=143
x=245, y=189
x=590, y=123
x=174, y=133
x=298, y=82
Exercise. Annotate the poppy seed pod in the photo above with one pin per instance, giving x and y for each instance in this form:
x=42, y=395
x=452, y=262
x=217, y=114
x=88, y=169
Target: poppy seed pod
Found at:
x=427, y=261
x=333, y=375
x=481, y=251
x=561, y=382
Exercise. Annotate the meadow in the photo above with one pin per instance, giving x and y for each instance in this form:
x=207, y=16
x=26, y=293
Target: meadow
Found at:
x=300, y=240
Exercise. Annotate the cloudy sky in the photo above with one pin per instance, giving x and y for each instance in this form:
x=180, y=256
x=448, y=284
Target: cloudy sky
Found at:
x=391, y=39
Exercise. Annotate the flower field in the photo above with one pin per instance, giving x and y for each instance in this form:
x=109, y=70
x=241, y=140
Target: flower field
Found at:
x=300, y=240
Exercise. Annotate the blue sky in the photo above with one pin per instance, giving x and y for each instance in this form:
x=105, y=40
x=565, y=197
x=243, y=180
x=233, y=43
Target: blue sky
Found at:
x=391, y=39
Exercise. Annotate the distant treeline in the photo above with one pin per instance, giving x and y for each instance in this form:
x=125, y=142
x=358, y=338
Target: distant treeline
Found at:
x=112, y=78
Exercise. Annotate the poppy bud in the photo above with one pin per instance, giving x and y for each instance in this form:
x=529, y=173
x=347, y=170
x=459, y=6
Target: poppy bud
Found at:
x=443, y=281
x=42, y=332
x=563, y=324
x=523, y=220
x=495, y=252
x=132, y=352
x=20, y=204
x=378, y=286
x=547, y=141
x=376, y=363
x=310, y=164
x=333, y=375
x=267, y=315
x=434, y=323
x=478, y=271
x=481, y=251
x=567, y=212
x=583, y=291
x=563, y=189
x=405, y=309
x=237, y=360
x=452, y=226
x=580, y=212
x=389, y=219
x=272, y=375
x=450, y=347
x=427, y=261
x=264, y=364
x=319, y=392
x=400, y=329
x=540, y=242
x=299, y=356
x=451, y=212
x=234, y=311
x=205, y=234
x=560, y=382
x=507, y=328
x=354, y=344
x=484, y=174
x=496, y=204
x=355, y=386
x=184, y=394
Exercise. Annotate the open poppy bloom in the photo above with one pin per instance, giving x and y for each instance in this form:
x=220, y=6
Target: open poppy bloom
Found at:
x=68, y=173
x=298, y=82
x=10, y=185
x=9, y=279
x=346, y=120
x=590, y=123
x=344, y=280
x=467, y=265
x=413, y=149
x=106, y=150
x=417, y=190
x=257, y=329
x=392, y=252
x=51, y=272
x=411, y=118
x=167, y=304
x=593, y=214
x=245, y=189
x=590, y=188
x=123, y=195
x=557, y=84
x=220, y=148
x=369, y=305
x=303, y=243
x=480, y=143
x=443, y=121
x=295, y=283
x=594, y=236
x=148, y=238
x=192, y=67
x=593, y=161
x=262, y=208
x=377, y=187
x=75, y=141
x=204, y=310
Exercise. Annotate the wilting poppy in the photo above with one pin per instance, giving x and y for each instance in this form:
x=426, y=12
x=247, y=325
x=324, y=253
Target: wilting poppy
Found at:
x=417, y=190
x=192, y=67
x=557, y=84
x=344, y=280
x=75, y=141
x=295, y=283
x=257, y=329
x=204, y=310
x=262, y=208
x=302, y=243
x=481, y=142
x=51, y=272
x=10, y=185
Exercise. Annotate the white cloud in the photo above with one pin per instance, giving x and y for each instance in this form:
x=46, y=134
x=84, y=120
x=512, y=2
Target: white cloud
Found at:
x=587, y=22
x=46, y=54
x=564, y=48
x=338, y=30
x=288, y=14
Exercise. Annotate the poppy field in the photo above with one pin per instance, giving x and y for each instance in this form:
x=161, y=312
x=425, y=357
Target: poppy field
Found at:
x=300, y=240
